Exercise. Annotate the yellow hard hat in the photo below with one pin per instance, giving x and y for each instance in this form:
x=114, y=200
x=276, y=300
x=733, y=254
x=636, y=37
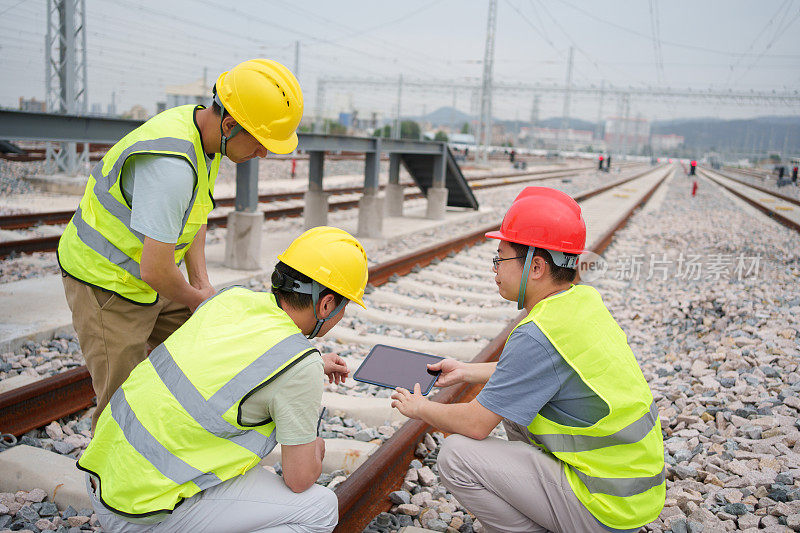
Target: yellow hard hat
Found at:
x=265, y=99
x=333, y=258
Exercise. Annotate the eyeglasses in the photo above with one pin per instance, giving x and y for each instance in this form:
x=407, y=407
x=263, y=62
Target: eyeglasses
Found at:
x=496, y=260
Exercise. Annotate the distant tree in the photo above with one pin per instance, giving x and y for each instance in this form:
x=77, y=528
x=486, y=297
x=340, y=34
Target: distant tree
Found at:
x=334, y=128
x=440, y=136
x=384, y=132
x=465, y=128
x=409, y=130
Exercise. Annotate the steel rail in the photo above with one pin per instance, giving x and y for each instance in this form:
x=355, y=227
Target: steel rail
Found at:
x=776, y=194
x=49, y=244
x=788, y=222
x=26, y=220
x=363, y=495
x=71, y=391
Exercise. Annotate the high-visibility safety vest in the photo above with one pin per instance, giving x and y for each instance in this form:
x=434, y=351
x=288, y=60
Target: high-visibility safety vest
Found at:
x=98, y=246
x=175, y=426
x=615, y=466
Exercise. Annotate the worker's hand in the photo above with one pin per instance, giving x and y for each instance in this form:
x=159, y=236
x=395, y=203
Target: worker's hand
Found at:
x=453, y=372
x=320, y=449
x=408, y=403
x=335, y=368
x=203, y=294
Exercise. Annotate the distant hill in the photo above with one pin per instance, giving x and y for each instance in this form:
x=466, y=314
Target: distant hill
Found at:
x=756, y=134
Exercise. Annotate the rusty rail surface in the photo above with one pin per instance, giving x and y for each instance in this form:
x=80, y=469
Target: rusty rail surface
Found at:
x=27, y=220
x=49, y=244
x=776, y=194
x=72, y=390
x=786, y=221
x=363, y=494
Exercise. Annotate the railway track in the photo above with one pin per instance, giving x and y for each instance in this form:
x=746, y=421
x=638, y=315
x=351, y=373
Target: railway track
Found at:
x=50, y=243
x=363, y=494
x=780, y=207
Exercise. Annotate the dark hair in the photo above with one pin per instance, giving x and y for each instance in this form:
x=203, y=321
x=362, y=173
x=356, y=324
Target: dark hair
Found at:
x=216, y=108
x=295, y=299
x=557, y=273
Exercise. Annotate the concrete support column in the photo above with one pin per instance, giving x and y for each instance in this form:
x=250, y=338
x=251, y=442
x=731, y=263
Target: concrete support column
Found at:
x=315, y=212
x=243, y=240
x=437, y=203
x=437, y=194
x=395, y=194
x=370, y=216
x=370, y=206
x=243, y=236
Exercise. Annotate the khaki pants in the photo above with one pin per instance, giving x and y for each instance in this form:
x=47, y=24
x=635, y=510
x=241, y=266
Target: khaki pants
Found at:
x=114, y=333
x=512, y=486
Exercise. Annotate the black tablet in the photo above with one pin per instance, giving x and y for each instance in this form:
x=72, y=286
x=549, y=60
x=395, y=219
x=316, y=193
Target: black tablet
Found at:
x=387, y=366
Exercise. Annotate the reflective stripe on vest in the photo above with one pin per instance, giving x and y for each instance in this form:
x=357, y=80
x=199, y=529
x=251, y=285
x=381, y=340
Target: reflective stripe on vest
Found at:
x=615, y=467
x=622, y=487
x=152, y=450
x=634, y=432
x=102, y=223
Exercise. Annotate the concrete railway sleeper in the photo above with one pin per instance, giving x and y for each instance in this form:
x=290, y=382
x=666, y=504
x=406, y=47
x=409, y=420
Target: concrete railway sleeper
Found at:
x=360, y=425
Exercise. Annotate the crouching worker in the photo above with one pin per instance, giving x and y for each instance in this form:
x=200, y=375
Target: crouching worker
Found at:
x=584, y=450
x=179, y=446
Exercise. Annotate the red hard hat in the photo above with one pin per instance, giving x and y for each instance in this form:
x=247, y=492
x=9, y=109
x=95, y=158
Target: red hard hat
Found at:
x=544, y=218
x=694, y=163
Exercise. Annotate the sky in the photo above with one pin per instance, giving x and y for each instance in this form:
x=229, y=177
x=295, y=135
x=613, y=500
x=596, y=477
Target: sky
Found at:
x=137, y=48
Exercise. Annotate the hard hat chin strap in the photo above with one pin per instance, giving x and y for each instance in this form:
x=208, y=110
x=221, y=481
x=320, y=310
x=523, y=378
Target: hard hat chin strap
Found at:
x=223, y=140
x=316, y=288
x=289, y=284
x=523, y=284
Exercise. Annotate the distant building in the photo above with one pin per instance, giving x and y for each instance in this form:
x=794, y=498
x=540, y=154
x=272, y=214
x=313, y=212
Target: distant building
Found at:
x=194, y=93
x=461, y=138
x=665, y=142
x=137, y=112
x=551, y=137
x=32, y=105
x=632, y=134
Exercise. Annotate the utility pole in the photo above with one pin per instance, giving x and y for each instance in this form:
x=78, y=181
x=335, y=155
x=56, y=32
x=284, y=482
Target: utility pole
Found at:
x=534, y=118
x=565, y=113
x=598, y=131
x=296, y=59
x=625, y=124
x=453, y=111
x=485, y=124
x=319, y=120
x=66, y=79
x=399, y=102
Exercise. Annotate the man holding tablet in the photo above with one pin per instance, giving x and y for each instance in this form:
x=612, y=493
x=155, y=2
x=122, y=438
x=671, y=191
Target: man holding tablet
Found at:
x=585, y=451
x=178, y=448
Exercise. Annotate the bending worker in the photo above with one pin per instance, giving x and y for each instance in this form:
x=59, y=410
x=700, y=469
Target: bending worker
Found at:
x=178, y=448
x=584, y=450
x=145, y=210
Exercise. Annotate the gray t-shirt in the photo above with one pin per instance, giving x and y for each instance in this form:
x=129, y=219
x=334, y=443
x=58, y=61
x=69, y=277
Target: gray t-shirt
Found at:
x=532, y=378
x=159, y=190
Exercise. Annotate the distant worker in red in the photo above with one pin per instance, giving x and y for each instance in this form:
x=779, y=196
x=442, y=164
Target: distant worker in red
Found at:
x=694, y=185
x=600, y=163
x=692, y=167
x=794, y=174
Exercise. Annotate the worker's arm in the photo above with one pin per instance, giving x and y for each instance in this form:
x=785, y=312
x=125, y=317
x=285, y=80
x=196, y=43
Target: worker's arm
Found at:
x=158, y=269
x=196, y=262
x=302, y=464
x=469, y=419
x=455, y=372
